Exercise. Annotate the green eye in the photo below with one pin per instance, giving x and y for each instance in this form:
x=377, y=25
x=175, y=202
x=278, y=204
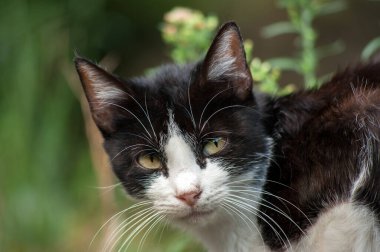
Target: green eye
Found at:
x=149, y=161
x=214, y=146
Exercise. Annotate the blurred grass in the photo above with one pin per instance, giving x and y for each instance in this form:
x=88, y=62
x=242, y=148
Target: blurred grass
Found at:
x=43, y=174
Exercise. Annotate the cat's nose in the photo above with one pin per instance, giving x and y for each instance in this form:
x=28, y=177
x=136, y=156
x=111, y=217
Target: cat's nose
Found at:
x=190, y=198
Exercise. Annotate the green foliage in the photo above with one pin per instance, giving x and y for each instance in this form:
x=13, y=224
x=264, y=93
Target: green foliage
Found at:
x=42, y=173
x=301, y=14
x=189, y=33
x=371, y=48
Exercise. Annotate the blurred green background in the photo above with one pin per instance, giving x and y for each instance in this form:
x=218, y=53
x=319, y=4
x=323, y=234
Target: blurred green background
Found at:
x=50, y=198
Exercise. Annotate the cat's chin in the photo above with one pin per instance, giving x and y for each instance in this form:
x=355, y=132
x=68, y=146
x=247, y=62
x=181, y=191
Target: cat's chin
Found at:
x=196, y=217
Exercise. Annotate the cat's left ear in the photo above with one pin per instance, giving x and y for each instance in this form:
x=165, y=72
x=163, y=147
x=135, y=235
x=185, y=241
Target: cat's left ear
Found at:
x=225, y=61
x=105, y=93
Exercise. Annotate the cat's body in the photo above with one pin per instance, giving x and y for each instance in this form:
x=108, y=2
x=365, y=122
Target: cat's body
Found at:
x=246, y=172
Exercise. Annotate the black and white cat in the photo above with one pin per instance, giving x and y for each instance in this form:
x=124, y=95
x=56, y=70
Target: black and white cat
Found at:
x=242, y=171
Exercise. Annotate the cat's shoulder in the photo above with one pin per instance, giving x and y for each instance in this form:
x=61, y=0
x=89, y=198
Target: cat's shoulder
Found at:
x=351, y=97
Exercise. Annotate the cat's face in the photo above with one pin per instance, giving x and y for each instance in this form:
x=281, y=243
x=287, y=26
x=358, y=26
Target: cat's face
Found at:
x=186, y=138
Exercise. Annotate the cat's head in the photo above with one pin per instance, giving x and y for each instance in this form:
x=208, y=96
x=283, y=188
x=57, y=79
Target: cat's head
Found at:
x=187, y=137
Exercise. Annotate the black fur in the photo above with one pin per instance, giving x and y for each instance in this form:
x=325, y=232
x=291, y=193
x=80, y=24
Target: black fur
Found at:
x=320, y=137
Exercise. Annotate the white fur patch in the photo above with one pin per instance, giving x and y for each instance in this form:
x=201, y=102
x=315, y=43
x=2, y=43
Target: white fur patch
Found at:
x=346, y=227
x=185, y=175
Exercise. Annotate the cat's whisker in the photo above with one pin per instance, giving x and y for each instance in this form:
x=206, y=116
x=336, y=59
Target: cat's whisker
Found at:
x=269, y=207
x=123, y=224
x=141, y=137
x=163, y=230
x=208, y=103
x=188, y=114
x=257, y=194
x=145, y=112
x=249, y=208
x=189, y=102
x=122, y=231
x=145, y=151
x=258, y=179
x=158, y=220
x=108, y=188
x=137, y=230
x=128, y=147
x=116, y=216
x=267, y=156
x=242, y=216
x=254, y=211
x=216, y=131
x=148, y=117
x=249, y=190
x=219, y=110
x=130, y=112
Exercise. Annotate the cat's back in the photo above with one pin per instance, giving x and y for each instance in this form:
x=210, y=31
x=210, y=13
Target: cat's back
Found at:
x=328, y=161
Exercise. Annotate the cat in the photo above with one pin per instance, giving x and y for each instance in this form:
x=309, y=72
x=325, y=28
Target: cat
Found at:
x=241, y=170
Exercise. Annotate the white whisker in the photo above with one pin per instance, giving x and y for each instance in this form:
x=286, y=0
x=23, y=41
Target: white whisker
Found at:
x=190, y=107
x=247, y=207
x=137, y=230
x=148, y=117
x=241, y=215
x=116, y=216
x=147, y=232
x=128, y=147
x=274, y=209
x=130, y=112
x=219, y=110
x=122, y=225
x=208, y=103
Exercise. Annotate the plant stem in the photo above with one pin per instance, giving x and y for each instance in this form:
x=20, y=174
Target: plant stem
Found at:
x=308, y=57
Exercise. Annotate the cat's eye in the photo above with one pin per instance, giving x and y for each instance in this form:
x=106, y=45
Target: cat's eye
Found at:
x=214, y=146
x=149, y=161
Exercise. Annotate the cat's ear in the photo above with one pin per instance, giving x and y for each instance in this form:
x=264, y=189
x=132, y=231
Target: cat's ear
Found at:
x=225, y=61
x=104, y=93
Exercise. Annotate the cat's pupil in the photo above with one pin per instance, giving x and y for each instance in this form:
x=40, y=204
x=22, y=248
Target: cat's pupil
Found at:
x=216, y=141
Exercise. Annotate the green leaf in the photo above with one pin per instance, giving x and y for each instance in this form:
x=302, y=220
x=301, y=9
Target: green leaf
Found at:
x=285, y=63
x=277, y=29
x=248, y=47
x=370, y=48
x=331, y=49
x=332, y=7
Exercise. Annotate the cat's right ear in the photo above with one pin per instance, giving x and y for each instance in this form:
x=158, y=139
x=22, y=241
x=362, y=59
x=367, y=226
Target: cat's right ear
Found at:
x=104, y=92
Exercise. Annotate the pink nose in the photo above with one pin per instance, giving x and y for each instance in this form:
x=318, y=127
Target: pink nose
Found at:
x=190, y=198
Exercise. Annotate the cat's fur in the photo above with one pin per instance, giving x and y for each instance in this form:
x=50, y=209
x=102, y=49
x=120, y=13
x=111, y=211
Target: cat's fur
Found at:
x=299, y=172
